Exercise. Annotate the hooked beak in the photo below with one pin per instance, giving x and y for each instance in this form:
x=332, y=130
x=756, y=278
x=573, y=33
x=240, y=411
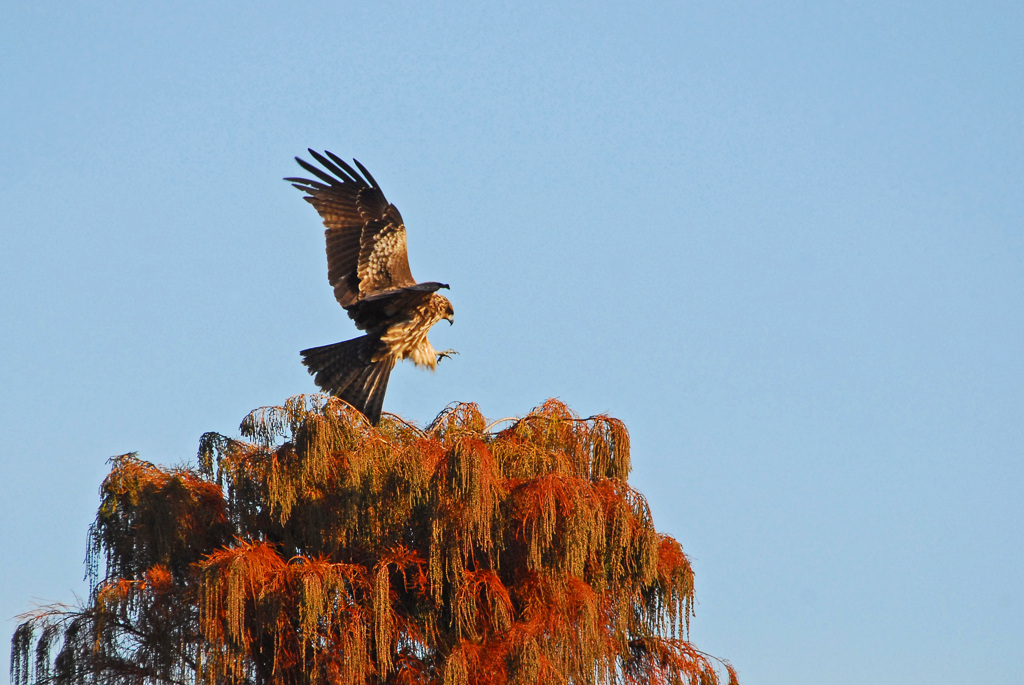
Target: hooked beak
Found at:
x=450, y=319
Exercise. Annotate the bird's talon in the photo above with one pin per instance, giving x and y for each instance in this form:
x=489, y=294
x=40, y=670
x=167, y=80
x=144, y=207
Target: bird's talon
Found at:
x=445, y=354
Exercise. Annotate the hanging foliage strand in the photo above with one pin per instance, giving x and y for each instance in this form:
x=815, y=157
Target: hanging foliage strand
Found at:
x=319, y=549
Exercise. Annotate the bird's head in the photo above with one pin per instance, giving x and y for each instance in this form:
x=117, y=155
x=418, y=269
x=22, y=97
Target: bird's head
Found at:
x=446, y=309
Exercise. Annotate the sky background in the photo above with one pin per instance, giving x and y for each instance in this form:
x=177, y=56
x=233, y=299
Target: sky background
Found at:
x=784, y=242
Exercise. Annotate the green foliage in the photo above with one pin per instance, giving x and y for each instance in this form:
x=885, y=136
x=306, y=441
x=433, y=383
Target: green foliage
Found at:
x=318, y=549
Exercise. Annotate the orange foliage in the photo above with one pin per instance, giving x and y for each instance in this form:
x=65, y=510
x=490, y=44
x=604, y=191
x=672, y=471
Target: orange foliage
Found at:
x=322, y=550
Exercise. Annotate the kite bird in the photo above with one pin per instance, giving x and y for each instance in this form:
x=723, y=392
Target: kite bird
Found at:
x=368, y=268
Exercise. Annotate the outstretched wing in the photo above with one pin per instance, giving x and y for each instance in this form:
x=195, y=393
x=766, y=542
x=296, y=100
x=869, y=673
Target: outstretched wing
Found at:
x=366, y=250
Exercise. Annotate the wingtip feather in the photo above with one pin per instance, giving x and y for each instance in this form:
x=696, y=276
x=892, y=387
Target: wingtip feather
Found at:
x=367, y=174
x=346, y=166
x=317, y=171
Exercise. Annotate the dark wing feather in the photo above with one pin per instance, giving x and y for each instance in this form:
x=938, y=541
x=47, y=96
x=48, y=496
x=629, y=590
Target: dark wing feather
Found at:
x=366, y=246
x=382, y=309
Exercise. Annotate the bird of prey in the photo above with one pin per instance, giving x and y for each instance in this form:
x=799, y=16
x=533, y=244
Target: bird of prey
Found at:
x=368, y=268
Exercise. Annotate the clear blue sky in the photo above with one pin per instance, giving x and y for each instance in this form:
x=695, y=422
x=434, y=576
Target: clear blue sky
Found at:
x=783, y=241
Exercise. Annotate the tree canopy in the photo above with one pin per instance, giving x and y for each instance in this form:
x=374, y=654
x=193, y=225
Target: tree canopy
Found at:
x=319, y=549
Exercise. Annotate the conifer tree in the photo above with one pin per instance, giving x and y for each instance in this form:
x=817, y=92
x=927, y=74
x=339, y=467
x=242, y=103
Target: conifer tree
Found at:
x=319, y=549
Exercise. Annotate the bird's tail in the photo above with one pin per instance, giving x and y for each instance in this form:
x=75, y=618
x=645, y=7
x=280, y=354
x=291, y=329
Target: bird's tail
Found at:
x=350, y=371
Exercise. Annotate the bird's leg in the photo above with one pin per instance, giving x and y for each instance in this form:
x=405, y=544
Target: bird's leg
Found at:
x=445, y=354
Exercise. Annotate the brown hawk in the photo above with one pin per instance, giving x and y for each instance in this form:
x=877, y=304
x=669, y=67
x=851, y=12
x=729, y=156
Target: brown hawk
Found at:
x=368, y=268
